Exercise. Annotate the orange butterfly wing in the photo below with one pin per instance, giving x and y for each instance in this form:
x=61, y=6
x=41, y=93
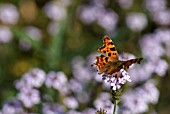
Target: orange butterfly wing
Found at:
x=109, y=49
x=100, y=63
x=127, y=63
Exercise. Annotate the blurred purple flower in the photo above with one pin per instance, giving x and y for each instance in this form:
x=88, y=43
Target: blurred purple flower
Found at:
x=88, y=13
x=136, y=101
x=148, y=44
x=160, y=67
x=163, y=35
x=29, y=97
x=117, y=79
x=136, y=21
x=22, y=83
x=71, y=102
x=58, y=81
x=148, y=92
x=25, y=45
x=73, y=112
x=108, y=19
x=155, y=5
x=133, y=104
x=159, y=11
x=75, y=86
x=35, y=77
x=125, y=4
x=162, y=17
x=12, y=107
x=89, y=111
x=53, y=28
x=55, y=11
x=83, y=97
x=53, y=109
x=5, y=34
x=34, y=32
x=80, y=71
x=9, y=14
x=141, y=73
x=103, y=101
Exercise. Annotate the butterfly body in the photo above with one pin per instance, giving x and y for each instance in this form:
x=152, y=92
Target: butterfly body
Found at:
x=110, y=63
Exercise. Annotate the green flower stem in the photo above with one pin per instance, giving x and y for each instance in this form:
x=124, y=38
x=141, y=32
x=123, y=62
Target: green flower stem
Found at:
x=115, y=104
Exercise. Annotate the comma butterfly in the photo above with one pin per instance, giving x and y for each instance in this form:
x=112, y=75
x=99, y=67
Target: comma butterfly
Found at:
x=110, y=63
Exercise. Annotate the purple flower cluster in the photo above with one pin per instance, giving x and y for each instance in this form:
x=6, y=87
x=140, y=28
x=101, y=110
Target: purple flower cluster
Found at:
x=117, y=79
x=97, y=12
x=103, y=101
x=137, y=100
x=159, y=11
x=28, y=94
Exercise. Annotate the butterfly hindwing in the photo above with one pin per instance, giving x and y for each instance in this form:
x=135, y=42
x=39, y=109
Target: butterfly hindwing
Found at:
x=127, y=63
x=109, y=49
x=117, y=66
x=101, y=62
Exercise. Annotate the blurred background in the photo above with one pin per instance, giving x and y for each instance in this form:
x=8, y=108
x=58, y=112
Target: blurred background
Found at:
x=47, y=47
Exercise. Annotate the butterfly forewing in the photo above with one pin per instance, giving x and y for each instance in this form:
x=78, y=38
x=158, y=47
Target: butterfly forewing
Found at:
x=109, y=49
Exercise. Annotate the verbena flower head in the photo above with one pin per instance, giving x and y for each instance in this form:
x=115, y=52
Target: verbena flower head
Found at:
x=125, y=4
x=29, y=97
x=103, y=101
x=106, y=18
x=5, y=34
x=55, y=11
x=34, y=32
x=53, y=108
x=117, y=79
x=58, y=81
x=136, y=21
x=35, y=77
x=137, y=100
x=71, y=102
x=9, y=14
x=13, y=106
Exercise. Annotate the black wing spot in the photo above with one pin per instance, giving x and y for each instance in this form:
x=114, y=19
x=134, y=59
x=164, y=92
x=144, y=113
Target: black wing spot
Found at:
x=113, y=49
x=106, y=59
x=109, y=54
x=110, y=43
x=102, y=56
